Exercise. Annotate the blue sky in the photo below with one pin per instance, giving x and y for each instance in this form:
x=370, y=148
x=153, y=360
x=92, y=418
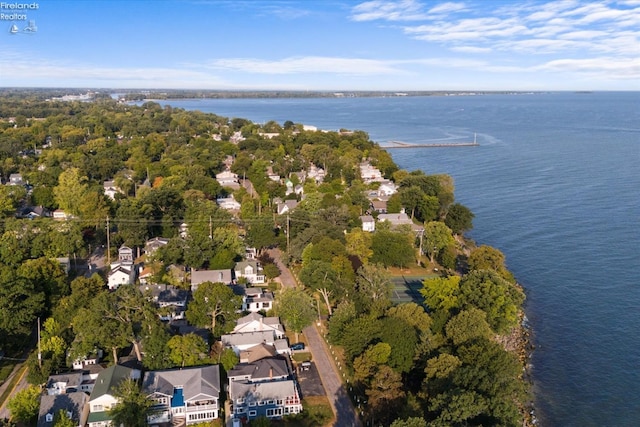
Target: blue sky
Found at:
x=397, y=45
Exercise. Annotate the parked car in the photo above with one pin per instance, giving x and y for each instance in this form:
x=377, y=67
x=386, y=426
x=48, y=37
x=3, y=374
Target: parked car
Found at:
x=297, y=346
x=305, y=366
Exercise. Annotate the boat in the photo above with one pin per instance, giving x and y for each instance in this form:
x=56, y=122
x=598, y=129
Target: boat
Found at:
x=14, y=29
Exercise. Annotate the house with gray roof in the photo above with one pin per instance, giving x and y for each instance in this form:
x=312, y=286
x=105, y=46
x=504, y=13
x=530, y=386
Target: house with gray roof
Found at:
x=63, y=383
x=272, y=399
x=243, y=341
x=213, y=276
x=188, y=395
x=255, y=299
x=256, y=322
x=73, y=404
x=250, y=270
x=265, y=369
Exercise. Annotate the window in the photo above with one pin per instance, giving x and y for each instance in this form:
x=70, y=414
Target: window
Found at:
x=97, y=408
x=261, y=403
x=270, y=402
x=48, y=418
x=240, y=400
x=253, y=413
x=280, y=402
x=252, y=404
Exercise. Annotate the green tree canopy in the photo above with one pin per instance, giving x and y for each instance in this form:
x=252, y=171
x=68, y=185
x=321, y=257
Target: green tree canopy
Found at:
x=132, y=407
x=296, y=309
x=214, y=306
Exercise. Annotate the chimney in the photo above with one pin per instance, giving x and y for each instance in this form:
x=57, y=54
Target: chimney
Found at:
x=270, y=373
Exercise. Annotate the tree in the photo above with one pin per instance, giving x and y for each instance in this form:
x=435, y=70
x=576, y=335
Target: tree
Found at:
x=373, y=288
x=132, y=407
x=385, y=393
x=488, y=291
x=296, y=309
x=441, y=293
x=20, y=303
x=61, y=419
x=489, y=258
x=392, y=248
x=229, y=359
x=459, y=218
x=25, y=404
x=214, y=306
x=359, y=244
x=70, y=190
x=187, y=350
x=468, y=325
x=437, y=236
x=410, y=422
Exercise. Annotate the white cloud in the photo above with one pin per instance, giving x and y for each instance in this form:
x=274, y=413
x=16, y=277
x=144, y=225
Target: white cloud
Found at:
x=402, y=10
x=471, y=49
x=310, y=64
x=448, y=7
x=628, y=68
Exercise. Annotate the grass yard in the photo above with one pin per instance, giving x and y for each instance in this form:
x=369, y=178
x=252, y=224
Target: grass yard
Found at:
x=317, y=413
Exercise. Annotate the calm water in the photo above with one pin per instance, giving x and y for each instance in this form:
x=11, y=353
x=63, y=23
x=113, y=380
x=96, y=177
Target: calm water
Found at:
x=555, y=185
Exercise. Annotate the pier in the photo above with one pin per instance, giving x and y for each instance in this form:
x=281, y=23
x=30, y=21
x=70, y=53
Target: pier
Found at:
x=400, y=144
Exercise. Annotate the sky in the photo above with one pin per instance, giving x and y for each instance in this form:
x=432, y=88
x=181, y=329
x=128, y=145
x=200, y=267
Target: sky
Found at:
x=334, y=45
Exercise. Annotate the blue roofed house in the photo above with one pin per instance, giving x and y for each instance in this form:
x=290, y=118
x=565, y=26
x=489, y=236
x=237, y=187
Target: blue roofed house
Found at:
x=188, y=395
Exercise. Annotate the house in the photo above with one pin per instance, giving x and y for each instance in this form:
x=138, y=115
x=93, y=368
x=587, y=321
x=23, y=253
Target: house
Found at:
x=257, y=352
x=103, y=397
x=111, y=189
x=266, y=369
x=64, y=263
x=370, y=173
x=255, y=299
x=368, y=223
x=387, y=188
x=33, y=212
x=60, y=215
x=254, y=322
x=379, y=206
x=271, y=399
x=213, y=276
x=250, y=270
x=228, y=203
x=74, y=404
x=188, y=395
x=170, y=298
x=316, y=173
x=152, y=245
x=63, y=383
x=250, y=253
x=400, y=219
x=89, y=360
x=242, y=341
x=15, y=179
x=228, y=179
x=121, y=275
x=286, y=206
x=272, y=175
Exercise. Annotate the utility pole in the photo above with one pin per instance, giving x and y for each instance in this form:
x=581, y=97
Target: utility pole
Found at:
x=39, y=349
x=287, y=233
x=210, y=228
x=108, y=245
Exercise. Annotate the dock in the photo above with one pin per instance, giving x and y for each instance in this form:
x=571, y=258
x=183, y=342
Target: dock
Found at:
x=400, y=144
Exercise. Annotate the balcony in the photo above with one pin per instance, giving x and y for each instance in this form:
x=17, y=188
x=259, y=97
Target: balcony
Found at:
x=200, y=408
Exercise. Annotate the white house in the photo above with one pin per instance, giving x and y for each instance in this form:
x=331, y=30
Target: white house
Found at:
x=286, y=206
x=368, y=223
x=111, y=189
x=121, y=275
x=370, y=173
x=250, y=270
x=103, y=397
x=255, y=299
x=228, y=203
x=255, y=322
x=242, y=341
x=228, y=179
x=387, y=188
x=187, y=395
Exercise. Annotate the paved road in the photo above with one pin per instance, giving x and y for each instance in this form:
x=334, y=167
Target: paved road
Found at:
x=338, y=397
x=21, y=384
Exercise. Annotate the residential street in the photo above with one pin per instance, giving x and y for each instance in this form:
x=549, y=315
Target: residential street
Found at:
x=338, y=397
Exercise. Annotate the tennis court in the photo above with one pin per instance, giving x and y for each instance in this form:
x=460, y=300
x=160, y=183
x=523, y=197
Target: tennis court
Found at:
x=407, y=288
